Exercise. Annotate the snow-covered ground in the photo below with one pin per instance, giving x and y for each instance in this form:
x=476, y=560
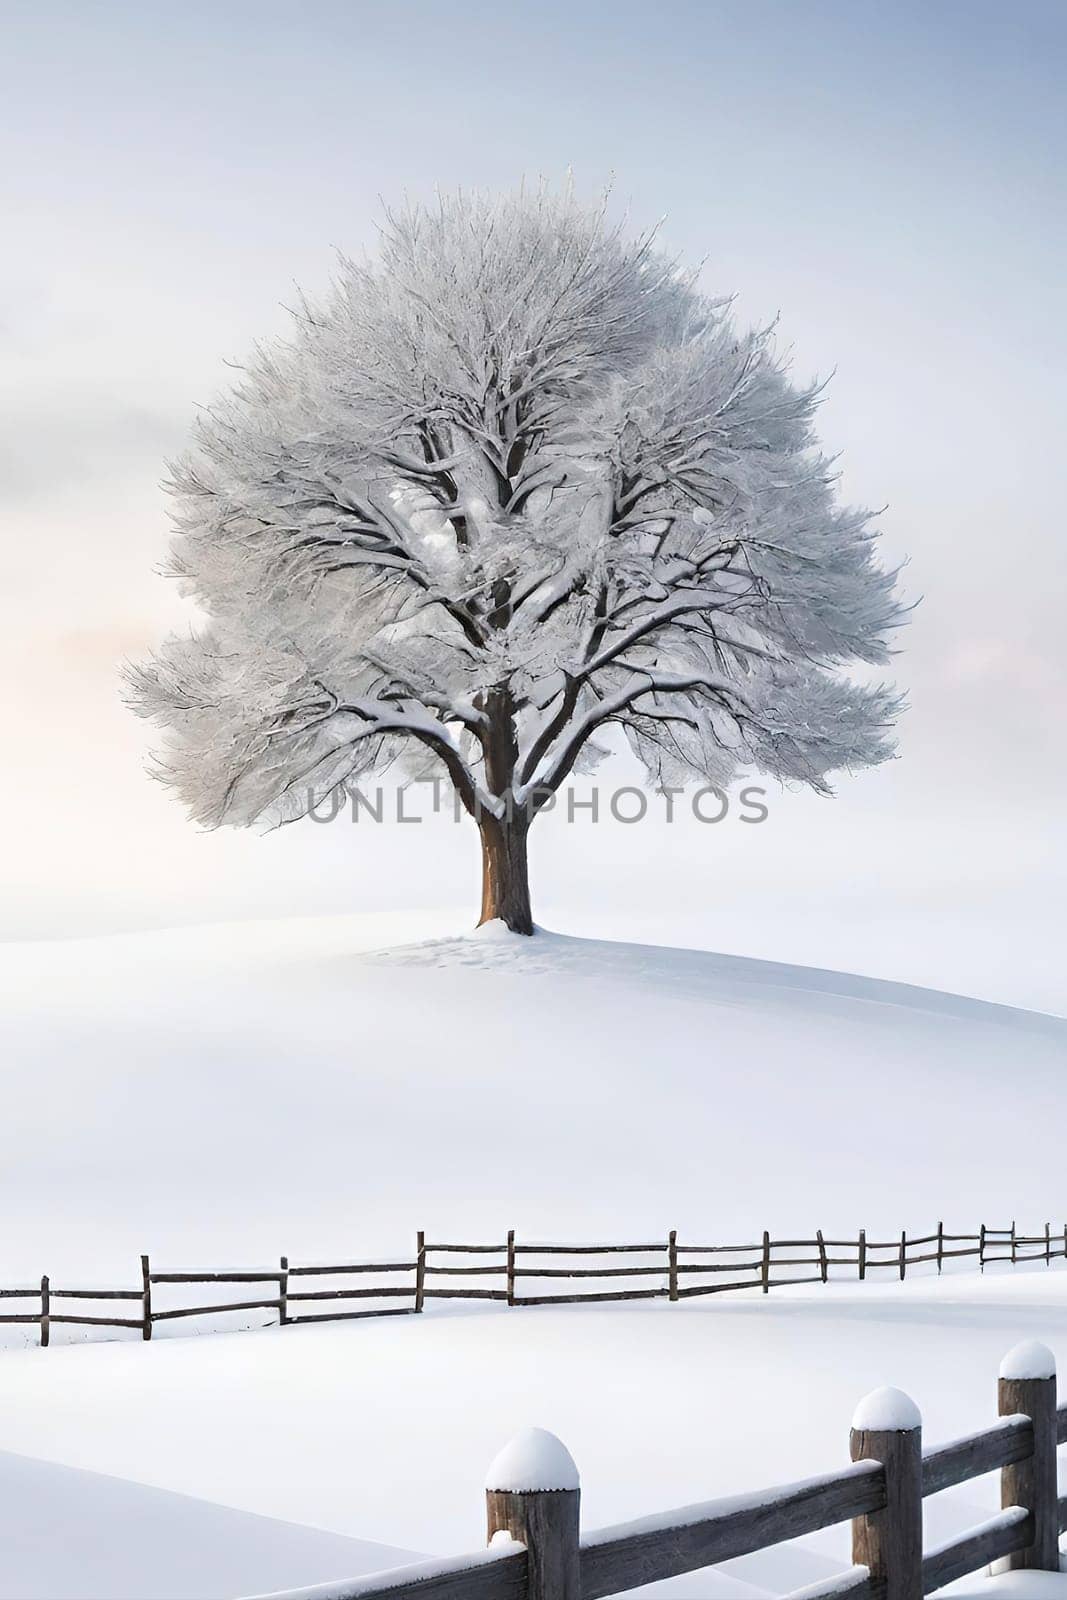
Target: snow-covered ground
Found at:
x=384, y=1430
x=75, y=1535
x=1013, y=1586
x=220, y=1096
x=223, y=1095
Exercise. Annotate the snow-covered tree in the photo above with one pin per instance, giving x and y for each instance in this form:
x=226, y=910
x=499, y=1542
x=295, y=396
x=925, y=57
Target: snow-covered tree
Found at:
x=512, y=485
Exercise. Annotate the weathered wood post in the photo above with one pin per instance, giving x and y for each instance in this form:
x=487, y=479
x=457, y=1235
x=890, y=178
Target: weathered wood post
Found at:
x=283, y=1291
x=1028, y=1385
x=420, y=1270
x=672, y=1264
x=940, y=1246
x=863, y=1253
x=903, y=1255
x=765, y=1263
x=511, y=1267
x=46, y=1299
x=1013, y=1244
x=1048, y=1243
x=887, y=1427
x=981, y=1248
x=824, y=1269
x=532, y=1493
x=146, y=1299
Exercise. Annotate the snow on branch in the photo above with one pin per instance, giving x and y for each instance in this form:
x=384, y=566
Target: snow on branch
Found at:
x=512, y=482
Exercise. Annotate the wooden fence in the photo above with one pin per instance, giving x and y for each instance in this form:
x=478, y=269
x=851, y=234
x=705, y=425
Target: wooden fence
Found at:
x=536, y=1551
x=518, y=1274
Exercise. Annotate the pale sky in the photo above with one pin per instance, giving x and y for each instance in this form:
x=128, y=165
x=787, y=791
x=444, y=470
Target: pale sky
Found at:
x=888, y=178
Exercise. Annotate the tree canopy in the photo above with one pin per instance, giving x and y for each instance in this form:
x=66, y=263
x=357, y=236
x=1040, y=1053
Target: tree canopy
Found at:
x=512, y=484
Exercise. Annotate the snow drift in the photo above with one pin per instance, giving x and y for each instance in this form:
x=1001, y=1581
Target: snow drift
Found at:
x=220, y=1096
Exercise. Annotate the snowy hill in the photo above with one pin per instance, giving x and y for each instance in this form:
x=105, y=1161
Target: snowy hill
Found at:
x=660, y=1406
x=221, y=1095
x=75, y=1535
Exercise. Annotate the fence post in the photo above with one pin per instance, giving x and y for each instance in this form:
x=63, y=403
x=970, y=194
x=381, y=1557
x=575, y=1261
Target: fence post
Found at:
x=940, y=1246
x=146, y=1299
x=1027, y=1384
x=863, y=1253
x=765, y=1263
x=887, y=1427
x=821, y=1242
x=45, y=1303
x=1048, y=1244
x=1013, y=1244
x=981, y=1247
x=511, y=1266
x=532, y=1493
x=420, y=1270
x=283, y=1291
x=903, y=1255
x=672, y=1263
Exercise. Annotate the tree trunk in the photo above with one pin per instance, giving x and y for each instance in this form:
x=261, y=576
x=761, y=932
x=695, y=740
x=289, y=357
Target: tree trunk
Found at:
x=505, y=876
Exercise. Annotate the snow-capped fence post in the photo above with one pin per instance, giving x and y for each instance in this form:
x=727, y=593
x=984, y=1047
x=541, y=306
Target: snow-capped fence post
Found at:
x=887, y=1427
x=283, y=1291
x=672, y=1264
x=45, y=1304
x=862, y=1252
x=420, y=1270
x=532, y=1493
x=511, y=1267
x=146, y=1299
x=765, y=1263
x=1027, y=1386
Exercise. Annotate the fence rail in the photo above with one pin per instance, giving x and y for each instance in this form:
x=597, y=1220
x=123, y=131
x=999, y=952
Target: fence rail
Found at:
x=525, y=1273
x=536, y=1550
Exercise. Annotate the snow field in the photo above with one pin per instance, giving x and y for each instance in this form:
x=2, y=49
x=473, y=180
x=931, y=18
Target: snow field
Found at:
x=225, y=1096
x=385, y=1430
